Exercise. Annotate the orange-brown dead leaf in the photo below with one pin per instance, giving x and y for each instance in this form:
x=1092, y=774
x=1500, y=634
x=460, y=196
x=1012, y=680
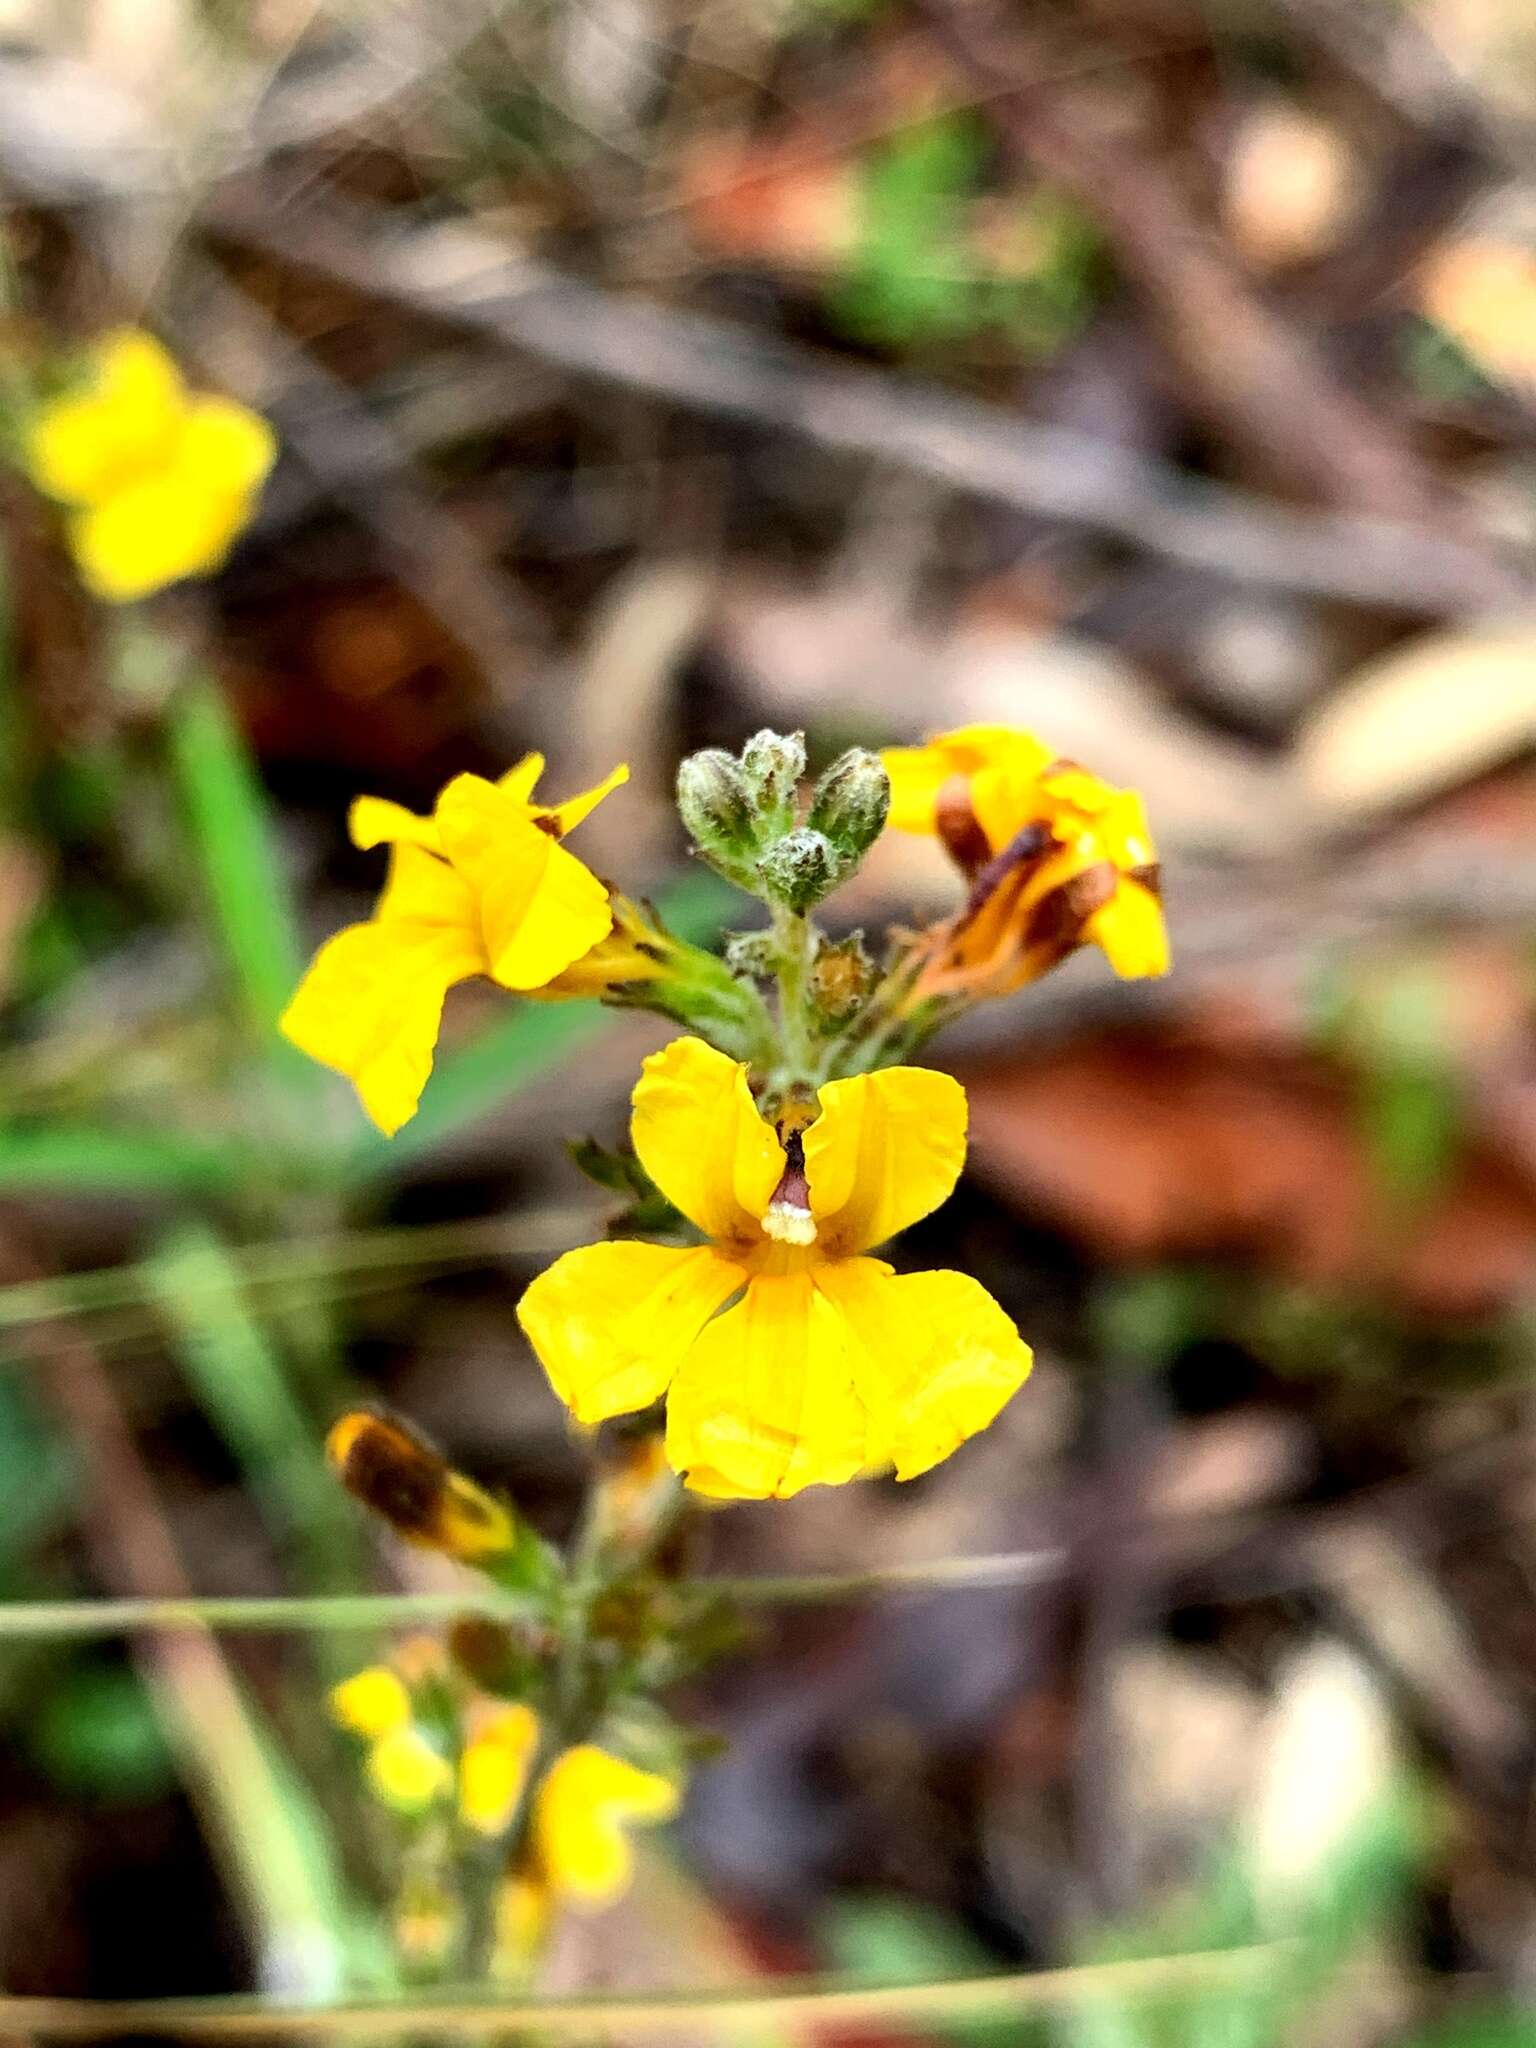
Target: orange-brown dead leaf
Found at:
x=1148, y=1148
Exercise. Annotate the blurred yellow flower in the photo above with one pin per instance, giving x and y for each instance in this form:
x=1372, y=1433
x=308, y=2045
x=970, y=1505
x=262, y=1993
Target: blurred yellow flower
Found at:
x=1056, y=859
x=1483, y=292
x=372, y=1702
x=582, y=1812
x=494, y=1767
x=159, y=479
x=407, y=1772
x=788, y=1359
x=482, y=886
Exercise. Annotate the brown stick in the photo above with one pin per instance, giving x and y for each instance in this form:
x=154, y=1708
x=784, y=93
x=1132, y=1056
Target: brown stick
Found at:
x=458, y=276
x=1253, y=377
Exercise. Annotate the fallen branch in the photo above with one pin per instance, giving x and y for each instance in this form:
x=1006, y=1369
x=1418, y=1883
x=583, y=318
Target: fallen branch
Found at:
x=453, y=274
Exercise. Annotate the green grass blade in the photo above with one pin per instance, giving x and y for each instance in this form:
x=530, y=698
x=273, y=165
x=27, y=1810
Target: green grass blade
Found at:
x=243, y=1386
x=86, y=1157
x=231, y=834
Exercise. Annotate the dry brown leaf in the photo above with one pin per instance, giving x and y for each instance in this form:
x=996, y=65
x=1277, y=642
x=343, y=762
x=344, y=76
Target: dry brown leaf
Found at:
x=1150, y=1149
x=1425, y=717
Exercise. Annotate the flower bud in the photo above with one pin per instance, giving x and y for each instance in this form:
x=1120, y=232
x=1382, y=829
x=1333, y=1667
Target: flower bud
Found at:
x=716, y=808
x=799, y=869
x=402, y=1478
x=850, y=804
x=772, y=764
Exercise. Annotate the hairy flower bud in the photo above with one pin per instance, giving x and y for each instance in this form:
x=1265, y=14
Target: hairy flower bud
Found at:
x=850, y=804
x=772, y=764
x=717, y=809
x=799, y=869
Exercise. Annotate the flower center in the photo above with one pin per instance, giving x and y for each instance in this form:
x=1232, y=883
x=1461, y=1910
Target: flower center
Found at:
x=788, y=1218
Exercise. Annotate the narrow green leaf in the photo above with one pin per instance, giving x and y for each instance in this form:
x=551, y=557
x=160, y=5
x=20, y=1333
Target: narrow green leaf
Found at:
x=85, y=1157
x=232, y=838
x=242, y=1384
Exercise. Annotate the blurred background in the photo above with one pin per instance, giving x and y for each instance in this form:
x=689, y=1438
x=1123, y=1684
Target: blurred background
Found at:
x=1159, y=374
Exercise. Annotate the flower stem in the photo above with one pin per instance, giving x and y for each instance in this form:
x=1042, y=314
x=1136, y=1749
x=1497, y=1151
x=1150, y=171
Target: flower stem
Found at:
x=794, y=944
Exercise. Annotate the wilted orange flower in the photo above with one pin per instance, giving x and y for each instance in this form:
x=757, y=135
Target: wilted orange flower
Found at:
x=1055, y=859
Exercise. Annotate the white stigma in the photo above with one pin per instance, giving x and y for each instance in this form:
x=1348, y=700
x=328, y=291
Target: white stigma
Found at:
x=788, y=1223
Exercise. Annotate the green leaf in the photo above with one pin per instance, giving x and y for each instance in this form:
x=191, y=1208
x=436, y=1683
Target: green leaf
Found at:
x=880, y=1940
x=906, y=279
x=97, y=1735
x=37, y=1475
x=241, y=1382
x=1509, y=2029
x=233, y=841
x=81, y=1157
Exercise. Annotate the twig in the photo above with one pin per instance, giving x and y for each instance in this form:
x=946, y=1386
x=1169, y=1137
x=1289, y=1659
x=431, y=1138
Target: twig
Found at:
x=24, y=1619
x=454, y=274
x=357, y=460
x=229, y=1775
x=667, y=2013
x=1258, y=379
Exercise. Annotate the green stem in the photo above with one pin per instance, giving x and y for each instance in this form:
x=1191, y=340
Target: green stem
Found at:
x=794, y=944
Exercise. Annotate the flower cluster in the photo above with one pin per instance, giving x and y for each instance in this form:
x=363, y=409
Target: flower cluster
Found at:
x=157, y=480
x=506, y=1761
x=788, y=1141
x=453, y=1762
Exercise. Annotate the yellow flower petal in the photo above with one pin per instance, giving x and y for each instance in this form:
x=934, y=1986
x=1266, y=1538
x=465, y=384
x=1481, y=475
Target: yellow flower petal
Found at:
x=223, y=449
x=698, y=1135
x=494, y=1767
x=540, y=909
x=522, y=778
x=611, y=1322
x=569, y=914
x=420, y=889
x=934, y=1357
x=406, y=1772
x=118, y=429
x=375, y=821
x=371, y=1006
x=153, y=533
x=917, y=775
x=371, y=1702
x=1132, y=932
x=570, y=814
x=764, y=1402
x=886, y=1149
x=1001, y=761
x=580, y=1817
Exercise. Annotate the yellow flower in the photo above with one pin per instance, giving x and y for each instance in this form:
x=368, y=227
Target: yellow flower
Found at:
x=1056, y=859
x=637, y=949
x=483, y=886
x=581, y=1816
x=407, y=1772
x=494, y=1768
x=522, y=1918
x=788, y=1359
x=159, y=480
x=373, y=1702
